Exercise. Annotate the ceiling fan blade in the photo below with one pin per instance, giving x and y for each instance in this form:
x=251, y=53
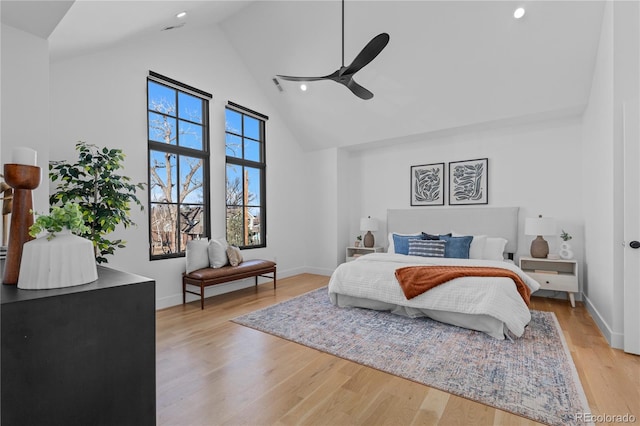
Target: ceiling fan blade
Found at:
x=292, y=78
x=368, y=54
x=357, y=90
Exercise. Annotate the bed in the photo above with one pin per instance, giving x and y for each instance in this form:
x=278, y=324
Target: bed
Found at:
x=492, y=305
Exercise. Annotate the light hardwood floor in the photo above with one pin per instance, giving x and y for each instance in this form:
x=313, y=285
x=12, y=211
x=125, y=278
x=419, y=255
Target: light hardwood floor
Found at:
x=211, y=371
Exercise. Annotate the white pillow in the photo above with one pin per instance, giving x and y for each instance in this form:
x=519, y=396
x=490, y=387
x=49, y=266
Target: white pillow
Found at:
x=392, y=248
x=218, y=253
x=476, y=249
x=494, y=248
x=196, y=255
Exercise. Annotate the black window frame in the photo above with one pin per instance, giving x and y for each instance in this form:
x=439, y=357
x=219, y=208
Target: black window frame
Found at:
x=242, y=162
x=179, y=151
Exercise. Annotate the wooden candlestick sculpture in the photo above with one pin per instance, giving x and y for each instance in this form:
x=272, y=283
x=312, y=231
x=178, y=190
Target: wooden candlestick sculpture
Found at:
x=22, y=178
x=7, y=197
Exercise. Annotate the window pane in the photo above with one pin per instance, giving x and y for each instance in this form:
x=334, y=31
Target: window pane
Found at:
x=252, y=150
x=251, y=128
x=162, y=167
x=235, y=234
x=234, y=146
x=161, y=99
x=162, y=128
x=191, y=180
x=252, y=183
x=245, y=179
x=233, y=122
x=163, y=229
x=253, y=226
x=234, y=185
x=190, y=135
x=190, y=107
x=191, y=224
x=178, y=129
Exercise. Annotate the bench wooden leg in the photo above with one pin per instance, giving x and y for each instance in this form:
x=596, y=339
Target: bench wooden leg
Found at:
x=202, y=296
x=184, y=292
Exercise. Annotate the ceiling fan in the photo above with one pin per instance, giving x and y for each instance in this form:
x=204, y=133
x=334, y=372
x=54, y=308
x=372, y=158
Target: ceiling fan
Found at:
x=344, y=75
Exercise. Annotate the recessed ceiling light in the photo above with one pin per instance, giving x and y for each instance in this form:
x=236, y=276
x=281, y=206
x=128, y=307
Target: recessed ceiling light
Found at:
x=303, y=87
x=519, y=13
x=181, y=15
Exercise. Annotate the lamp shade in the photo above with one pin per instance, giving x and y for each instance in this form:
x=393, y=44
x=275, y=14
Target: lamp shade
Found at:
x=368, y=224
x=540, y=226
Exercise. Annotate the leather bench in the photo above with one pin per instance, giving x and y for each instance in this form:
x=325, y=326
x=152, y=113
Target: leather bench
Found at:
x=211, y=276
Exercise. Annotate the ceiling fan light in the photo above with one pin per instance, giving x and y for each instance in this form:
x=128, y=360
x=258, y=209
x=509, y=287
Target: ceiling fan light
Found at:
x=303, y=87
x=181, y=14
x=519, y=13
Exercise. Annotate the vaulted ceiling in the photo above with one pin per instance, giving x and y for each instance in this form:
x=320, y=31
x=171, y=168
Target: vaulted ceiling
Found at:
x=448, y=65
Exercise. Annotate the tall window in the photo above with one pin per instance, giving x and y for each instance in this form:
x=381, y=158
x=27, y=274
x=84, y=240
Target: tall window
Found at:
x=245, y=177
x=178, y=141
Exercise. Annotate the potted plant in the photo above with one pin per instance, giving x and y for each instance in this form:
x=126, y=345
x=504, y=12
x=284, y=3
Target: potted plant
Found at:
x=67, y=217
x=358, y=241
x=565, y=236
x=565, y=248
x=59, y=258
x=102, y=194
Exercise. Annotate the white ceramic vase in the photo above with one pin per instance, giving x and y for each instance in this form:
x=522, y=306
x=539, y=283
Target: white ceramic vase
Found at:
x=565, y=251
x=64, y=261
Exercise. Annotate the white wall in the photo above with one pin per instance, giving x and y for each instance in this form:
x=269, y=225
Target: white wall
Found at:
x=598, y=176
x=536, y=167
x=101, y=99
x=25, y=102
x=615, y=81
x=321, y=210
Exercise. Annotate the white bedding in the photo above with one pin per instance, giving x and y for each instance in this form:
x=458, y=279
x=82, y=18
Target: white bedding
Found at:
x=370, y=282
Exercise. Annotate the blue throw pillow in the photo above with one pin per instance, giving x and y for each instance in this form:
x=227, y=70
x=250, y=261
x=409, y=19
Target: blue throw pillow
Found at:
x=401, y=242
x=457, y=247
x=427, y=248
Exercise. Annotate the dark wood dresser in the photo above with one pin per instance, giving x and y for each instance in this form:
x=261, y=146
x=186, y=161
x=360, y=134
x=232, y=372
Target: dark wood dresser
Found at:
x=82, y=355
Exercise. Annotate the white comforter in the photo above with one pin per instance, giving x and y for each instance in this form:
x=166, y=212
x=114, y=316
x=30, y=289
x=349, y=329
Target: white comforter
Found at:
x=373, y=277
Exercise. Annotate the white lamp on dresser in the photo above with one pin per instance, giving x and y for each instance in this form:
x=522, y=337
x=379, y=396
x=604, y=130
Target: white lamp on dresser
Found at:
x=540, y=226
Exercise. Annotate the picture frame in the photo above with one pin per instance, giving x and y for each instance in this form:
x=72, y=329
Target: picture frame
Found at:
x=427, y=185
x=468, y=182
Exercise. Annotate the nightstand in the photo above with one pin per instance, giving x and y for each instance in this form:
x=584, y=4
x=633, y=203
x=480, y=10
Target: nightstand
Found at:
x=353, y=252
x=553, y=274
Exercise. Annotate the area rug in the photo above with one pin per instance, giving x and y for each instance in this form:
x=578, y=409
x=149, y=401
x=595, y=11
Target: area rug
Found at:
x=532, y=376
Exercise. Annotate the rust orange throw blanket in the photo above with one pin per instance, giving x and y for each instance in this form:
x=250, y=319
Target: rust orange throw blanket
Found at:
x=415, y=280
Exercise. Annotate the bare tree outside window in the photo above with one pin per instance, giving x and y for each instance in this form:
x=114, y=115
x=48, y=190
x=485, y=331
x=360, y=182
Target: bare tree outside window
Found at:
x=245, y=178
x=178, y=164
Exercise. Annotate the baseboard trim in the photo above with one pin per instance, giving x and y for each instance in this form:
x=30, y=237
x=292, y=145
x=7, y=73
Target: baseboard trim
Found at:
x=319, y=271
x=616, y=340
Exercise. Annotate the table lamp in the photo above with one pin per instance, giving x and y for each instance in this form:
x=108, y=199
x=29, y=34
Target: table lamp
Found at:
x=368, y=224
x=539, y=226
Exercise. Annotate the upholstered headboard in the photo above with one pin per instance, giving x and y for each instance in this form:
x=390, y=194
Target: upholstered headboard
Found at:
x=491, y=221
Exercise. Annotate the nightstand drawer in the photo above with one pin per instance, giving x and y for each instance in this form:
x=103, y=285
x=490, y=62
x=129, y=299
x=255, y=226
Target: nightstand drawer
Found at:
x=557, y=282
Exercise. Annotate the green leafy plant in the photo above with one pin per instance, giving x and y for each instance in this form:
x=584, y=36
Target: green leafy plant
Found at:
x=103, y=196
x=68, y=216
x=565, y=236
x=359, y=238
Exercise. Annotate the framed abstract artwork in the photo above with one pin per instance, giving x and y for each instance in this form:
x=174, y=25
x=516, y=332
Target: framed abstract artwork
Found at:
x=468, y=182
x=427, y=185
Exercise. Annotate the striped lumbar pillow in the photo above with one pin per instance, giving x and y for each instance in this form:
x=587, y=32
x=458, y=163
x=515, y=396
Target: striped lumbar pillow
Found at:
x=427, y=248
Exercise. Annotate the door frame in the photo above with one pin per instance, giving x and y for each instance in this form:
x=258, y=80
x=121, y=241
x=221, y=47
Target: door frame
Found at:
x=631, y=146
